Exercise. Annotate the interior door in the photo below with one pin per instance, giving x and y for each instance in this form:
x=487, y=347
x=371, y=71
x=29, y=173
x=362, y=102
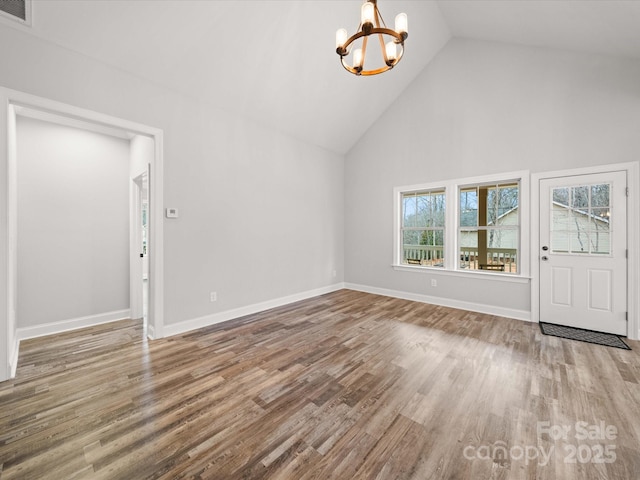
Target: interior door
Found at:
x=583, y=242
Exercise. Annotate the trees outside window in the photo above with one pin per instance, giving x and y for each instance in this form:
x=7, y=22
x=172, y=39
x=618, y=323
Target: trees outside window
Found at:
x=488, y=232
x=423, y=228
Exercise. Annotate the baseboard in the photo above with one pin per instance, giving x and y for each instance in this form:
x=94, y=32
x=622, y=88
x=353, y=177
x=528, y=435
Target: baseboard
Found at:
x=208, y=320
x=71, y=324
x=13, y=361
x=151, y=332
x=445, y=302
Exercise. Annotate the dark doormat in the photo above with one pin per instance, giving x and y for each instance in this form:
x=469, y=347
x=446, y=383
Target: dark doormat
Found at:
x=599, y=338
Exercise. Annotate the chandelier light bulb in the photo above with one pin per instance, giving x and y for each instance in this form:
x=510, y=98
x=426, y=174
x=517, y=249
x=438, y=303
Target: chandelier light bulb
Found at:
x=402, y=24
x=390, y=48
x=357, y=59
x=341, y=38
x=368, y=13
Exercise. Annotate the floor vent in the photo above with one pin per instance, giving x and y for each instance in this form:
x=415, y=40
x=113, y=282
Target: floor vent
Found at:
x=16, y=10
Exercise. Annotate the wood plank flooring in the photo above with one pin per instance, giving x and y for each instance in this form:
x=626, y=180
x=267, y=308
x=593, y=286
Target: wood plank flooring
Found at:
x=343, y=386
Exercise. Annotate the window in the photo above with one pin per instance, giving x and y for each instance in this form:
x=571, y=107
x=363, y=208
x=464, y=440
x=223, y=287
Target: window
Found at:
x=488, y=231
x=580, y=219
x=422, y=229
x=18, y=10
x=477, y=226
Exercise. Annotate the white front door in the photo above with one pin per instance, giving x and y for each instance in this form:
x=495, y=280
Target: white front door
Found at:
x=583, y=250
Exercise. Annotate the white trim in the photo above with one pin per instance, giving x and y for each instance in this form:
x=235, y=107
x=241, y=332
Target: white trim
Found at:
x=13, y=21
x=535, y=246
x=451, y=188
x=498, y=277
x=135, y=242
x=13, y=362
x=214, y=318
x=9, y=99
x=12, y=241
x=135, y=269
x=397, y=212
x=445, y=302
x=465, y=182
x=77, y=123
x=633, y=246
x=71, y=324
x=155, y=301
x=633, y=237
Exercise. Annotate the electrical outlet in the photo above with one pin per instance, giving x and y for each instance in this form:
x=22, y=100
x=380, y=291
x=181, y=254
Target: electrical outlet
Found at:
x=213, y=296
x=334, y=273
x=434, y=282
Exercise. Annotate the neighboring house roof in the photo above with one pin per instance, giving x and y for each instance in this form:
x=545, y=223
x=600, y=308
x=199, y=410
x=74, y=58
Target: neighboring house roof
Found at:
x=582, y=212
x=561, y=205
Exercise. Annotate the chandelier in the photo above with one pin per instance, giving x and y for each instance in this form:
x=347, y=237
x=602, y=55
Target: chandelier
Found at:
x=370, y=24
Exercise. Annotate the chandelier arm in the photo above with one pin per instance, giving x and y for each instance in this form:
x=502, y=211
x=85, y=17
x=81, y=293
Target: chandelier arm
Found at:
x=399, y=57
x=386, y=31
x=367, y=73
x=383, y=48
x=364, y=52
x=378, y=17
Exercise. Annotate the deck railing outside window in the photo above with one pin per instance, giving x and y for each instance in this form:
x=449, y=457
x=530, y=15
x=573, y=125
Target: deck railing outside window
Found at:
x=498, y=259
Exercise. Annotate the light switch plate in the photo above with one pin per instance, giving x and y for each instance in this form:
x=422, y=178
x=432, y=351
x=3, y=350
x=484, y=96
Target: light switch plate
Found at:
x=172, y=213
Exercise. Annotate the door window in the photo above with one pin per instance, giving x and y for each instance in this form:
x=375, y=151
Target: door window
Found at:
x=580, y=220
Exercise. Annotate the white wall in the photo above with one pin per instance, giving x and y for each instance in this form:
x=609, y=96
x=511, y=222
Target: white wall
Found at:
x=482, y=108
x=261, y=213
x=140, y=155
x=73, y=223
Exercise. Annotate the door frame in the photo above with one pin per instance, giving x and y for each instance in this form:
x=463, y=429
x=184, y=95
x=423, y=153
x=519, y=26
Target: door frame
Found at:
x=136, y=266
x=633, y=237
x=10, y=102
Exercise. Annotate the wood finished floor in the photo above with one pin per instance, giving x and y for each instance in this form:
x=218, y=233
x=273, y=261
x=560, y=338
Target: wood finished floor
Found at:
x=346, y=385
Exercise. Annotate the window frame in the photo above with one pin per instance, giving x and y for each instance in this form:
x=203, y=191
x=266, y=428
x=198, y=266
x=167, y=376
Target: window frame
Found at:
x=451, y=241
x=11, y=20
x=404, y=228
x=477, y=228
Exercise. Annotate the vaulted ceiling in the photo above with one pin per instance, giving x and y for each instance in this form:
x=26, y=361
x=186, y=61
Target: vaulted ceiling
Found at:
x=275, y=61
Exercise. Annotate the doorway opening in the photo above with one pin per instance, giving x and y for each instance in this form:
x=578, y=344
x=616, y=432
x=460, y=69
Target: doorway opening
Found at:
x=139, y=248
x=146, y=146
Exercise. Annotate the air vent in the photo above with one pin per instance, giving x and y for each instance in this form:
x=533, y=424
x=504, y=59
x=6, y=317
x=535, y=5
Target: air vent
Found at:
x=18, y=10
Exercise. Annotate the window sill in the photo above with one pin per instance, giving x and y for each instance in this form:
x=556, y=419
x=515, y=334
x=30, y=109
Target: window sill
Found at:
x=499, y=277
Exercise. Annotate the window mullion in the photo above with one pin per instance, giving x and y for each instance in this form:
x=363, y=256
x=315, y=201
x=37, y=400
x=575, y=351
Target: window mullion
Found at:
x=451, y=222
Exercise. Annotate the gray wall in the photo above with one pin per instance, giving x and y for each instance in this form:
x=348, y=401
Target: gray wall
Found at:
x=261, y=213
x=481, y=108
x=73, y=223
